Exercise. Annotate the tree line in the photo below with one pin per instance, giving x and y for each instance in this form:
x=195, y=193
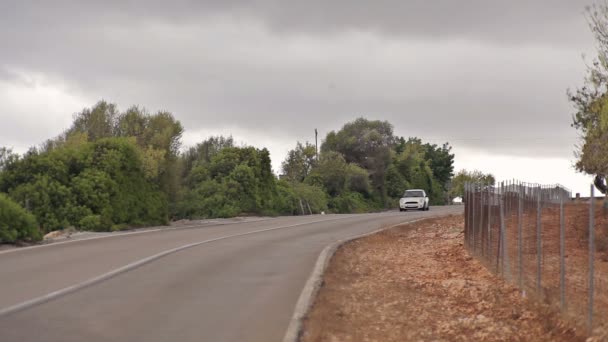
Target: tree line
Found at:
x=113, y=170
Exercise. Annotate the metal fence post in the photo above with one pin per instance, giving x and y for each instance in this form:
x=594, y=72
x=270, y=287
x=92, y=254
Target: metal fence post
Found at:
x=474, y=219
x=480, y=228
x=489, y=234
x=503, y=237
x=465, y=199
x=562, y=255
x=519, y=237
x=591, y=257
x=539, y=244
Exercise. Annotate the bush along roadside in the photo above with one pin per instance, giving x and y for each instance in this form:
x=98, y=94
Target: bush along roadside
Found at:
x=16, y=224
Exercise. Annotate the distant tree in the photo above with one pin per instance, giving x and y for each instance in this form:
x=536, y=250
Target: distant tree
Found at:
x=330, y=173
x=203, y=152
x=6, y=157
x=234, y=180
x=464, y=176
x=368, y=144
x=97, y=122
x=157, y=136
x=441, y=162
x=299, y=162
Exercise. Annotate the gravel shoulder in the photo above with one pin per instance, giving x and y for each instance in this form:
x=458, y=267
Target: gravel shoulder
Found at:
x=417, y=283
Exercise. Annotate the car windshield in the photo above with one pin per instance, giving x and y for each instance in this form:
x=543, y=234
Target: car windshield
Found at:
x=413, y=193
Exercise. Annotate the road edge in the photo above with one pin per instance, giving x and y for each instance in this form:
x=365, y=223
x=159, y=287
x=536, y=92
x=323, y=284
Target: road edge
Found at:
x=315, y=281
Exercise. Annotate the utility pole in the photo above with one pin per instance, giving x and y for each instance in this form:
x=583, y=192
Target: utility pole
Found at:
x=316, y=144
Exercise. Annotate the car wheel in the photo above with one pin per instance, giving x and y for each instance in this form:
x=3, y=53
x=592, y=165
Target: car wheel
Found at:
x=427, y=208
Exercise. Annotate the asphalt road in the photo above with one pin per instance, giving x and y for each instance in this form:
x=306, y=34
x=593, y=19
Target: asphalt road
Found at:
x=240, y=283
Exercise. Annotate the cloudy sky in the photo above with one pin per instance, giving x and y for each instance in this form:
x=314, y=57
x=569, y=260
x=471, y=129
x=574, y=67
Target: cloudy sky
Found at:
x=490, y=77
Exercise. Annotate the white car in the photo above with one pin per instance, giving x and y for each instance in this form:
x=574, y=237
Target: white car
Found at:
x=414, y=199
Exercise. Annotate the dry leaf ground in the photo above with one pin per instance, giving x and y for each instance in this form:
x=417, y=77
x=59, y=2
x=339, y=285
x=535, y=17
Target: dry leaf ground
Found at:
x=417, y=283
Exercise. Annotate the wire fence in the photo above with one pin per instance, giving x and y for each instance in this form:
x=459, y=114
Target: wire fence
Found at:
x=554, y=248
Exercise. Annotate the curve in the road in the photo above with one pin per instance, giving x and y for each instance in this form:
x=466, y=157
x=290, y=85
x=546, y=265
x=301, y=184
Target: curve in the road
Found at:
x=103, y=277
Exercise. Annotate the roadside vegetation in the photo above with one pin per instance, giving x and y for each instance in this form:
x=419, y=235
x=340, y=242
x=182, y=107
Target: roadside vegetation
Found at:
x=591, y=103
x=113, y=170
x=463, y=176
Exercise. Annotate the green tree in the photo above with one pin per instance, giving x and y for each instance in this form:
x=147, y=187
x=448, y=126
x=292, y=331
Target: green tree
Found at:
x=97, y=122
x=368, y=144
x=464, y=176
x=330, y=173
x=6, y=157
x=242, y=175
x=202, y=153
x=299, y=162
x=591, y=103
x=441, y=162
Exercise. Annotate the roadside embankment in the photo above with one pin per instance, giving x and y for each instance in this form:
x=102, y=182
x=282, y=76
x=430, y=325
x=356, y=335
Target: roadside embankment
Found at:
x=417, y=282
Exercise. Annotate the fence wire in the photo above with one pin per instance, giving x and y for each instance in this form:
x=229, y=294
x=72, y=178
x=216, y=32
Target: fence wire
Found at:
x=554, y=248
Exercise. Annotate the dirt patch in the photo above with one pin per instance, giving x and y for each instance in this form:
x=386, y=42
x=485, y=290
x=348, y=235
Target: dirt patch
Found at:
x=416, y=283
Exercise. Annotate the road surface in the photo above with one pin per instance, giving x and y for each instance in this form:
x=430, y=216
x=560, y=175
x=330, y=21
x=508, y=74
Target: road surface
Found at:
x=237, y=282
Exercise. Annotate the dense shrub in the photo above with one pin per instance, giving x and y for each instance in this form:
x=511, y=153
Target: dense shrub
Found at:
x=16, y=223
x=92, y=186
x=92, y=222
x=350, y=202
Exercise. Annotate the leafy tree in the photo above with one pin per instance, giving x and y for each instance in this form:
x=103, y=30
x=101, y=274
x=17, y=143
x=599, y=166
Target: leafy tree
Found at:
x=299, y=162
x=97, y=122
x=396, y=182
x=312, y=196
x=202, y=153
x=330, y=173
x=357, y=180
x=244, y=177
x=368, y=144
x=590, y=101
x=464, y=176
x=441, y=162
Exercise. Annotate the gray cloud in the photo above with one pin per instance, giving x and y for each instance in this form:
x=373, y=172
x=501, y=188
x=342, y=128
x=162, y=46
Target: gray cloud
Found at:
x=518, y=20
x=485, y=74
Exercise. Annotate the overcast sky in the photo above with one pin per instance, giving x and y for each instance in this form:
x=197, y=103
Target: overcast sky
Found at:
x=490, y=77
